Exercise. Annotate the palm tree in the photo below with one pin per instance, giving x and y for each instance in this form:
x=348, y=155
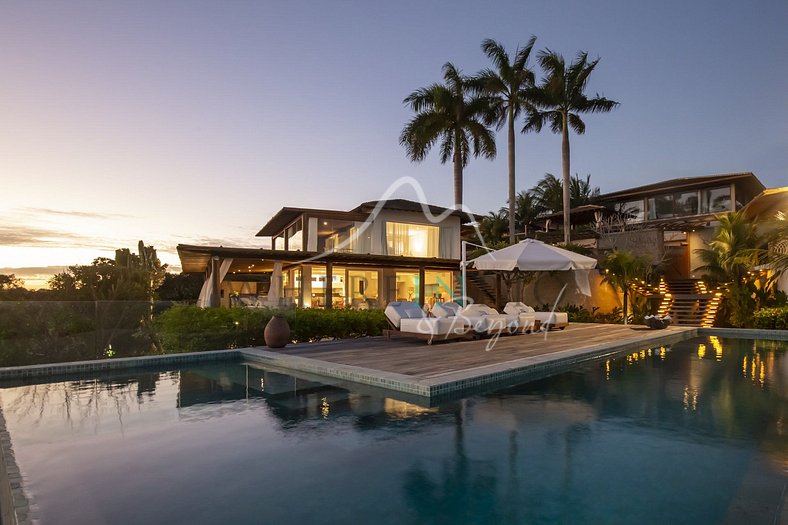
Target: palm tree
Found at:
x=493, y=227
x=581, y=192
x=526, y=210
x=622, y=269
x=452, y=114
x=559, y=99
x=549, y=192
x=507, y=87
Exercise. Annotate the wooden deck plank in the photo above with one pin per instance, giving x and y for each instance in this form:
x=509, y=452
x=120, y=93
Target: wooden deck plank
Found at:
x=421, y=361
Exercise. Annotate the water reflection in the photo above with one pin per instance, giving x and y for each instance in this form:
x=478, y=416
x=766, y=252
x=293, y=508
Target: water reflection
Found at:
x=662, y=435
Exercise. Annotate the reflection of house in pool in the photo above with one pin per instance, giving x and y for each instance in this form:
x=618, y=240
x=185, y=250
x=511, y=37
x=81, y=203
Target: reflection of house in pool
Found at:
x=289, y=398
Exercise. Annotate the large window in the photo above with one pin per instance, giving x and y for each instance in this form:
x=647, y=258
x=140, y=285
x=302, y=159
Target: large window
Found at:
x=716, y=200
x=362, y=289
x=438, y=287
x=407, y=286
x=412, y=240
x=634, y=209
x=660, y=207
x=295, y=236
x=685, y=203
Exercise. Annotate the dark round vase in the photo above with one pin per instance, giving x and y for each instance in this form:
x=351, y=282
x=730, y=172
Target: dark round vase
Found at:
x=277, y=332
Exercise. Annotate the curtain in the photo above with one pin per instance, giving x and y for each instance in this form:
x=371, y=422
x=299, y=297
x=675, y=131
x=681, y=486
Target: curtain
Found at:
x=206, y=293
x=446, y=243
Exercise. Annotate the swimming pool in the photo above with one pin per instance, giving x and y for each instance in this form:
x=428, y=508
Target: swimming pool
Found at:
x=692, y=434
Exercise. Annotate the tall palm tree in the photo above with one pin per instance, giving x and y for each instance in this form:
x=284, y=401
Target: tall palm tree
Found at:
x=581, y=192
x=559, y=99
x=452, y=114
x=507, y=87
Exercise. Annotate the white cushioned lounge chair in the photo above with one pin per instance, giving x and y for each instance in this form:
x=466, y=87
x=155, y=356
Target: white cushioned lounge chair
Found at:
x=480, y=317
x=409, y=319
x=548, y=320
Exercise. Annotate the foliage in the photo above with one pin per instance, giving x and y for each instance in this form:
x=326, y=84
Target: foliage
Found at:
x=493, y=228
x=10, y=282
x=180, y=287
x=129, y=276
x=191, y=329
x=452, y=115
x=582, y=250
x=558, y=100
x=623, y=268
x=771, y=318
x=506, y=87
x=37, y=332
x=548, y=192
x=580, y=314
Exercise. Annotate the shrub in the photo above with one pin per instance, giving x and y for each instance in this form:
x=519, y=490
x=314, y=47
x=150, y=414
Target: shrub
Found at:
x=771, y=318
x=192, y=329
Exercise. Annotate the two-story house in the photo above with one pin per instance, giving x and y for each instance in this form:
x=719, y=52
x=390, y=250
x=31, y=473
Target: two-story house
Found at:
x=380, y=251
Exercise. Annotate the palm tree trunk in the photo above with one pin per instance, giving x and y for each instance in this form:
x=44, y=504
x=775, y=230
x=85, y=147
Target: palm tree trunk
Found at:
x=457, y=171
x=565, y=166
x=511, y=177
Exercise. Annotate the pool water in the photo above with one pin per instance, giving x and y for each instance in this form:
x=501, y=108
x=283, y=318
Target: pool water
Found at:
x=692, y=434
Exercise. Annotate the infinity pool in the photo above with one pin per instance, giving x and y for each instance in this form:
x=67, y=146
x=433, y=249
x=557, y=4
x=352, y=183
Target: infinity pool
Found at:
x=693, y=434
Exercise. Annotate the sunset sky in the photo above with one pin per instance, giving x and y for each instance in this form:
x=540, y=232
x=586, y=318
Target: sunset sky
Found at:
x=194, y=122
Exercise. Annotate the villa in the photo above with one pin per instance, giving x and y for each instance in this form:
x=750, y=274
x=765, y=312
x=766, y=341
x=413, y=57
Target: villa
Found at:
x=401, y=250
x=380, y=251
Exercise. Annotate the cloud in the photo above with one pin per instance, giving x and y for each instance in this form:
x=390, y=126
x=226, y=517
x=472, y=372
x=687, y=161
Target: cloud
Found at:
x=32, y=271
x=73, y=213
x=35, y=236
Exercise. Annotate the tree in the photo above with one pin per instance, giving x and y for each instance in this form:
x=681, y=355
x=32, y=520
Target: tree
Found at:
x=454, y=116
x=732, y=254
x=622, y=269
x=581, y=192
x=549, y=192
x=181, y=287
x=559, y=99
x=527, y=209
x=10, y=282
x=507, y=88
x=493, y=227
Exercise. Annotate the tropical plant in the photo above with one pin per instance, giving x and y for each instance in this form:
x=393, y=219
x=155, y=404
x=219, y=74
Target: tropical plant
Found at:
x=493, y=227
x=526, y=210
x=454, y=116
x=549, y=192
x=506, y=86
x=558, y=100
x=732, y=254
x=623, y=268
x=581, y=192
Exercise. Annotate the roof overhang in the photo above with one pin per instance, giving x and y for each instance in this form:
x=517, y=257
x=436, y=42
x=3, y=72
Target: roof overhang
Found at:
x=197, y=259
x=287, y=215
x=687, y=183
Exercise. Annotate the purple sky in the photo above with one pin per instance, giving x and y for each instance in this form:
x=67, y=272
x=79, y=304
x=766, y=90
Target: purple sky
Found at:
x=194, y=122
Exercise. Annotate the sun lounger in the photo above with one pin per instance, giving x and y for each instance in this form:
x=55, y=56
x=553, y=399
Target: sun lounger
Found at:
x=547, y=320
x=409, y=319
x=480, y=317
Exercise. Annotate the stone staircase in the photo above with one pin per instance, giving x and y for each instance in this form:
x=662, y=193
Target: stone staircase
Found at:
x=689, y=302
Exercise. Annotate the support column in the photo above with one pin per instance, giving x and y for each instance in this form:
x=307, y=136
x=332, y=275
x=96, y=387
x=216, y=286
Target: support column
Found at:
x=215, y=300
x=329, y=288
x=421, y=286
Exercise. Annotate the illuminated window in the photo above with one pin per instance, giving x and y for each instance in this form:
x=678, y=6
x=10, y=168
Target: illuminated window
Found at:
x=412, y=240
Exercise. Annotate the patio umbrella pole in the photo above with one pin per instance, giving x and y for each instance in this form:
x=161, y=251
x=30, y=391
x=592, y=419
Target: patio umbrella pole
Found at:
x=464, y=265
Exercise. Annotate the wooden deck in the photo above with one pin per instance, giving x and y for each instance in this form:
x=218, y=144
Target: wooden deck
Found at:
x=415, y=367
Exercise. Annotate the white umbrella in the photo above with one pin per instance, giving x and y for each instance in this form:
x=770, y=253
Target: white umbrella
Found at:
x=531, y=255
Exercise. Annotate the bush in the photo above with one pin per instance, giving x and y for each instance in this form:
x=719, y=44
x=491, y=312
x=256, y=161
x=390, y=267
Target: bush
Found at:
x=193, y=329
x=771, y=318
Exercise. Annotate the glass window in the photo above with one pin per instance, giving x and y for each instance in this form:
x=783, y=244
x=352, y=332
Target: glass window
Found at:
x=660, y=207
x=295, y=237
x=319, y=287
x=362, y=289
x=634, y=209
x=716, y=200
x=438, y=287
x=412, y=240
x=685, y=203
x=279, y=243
x=407, y=286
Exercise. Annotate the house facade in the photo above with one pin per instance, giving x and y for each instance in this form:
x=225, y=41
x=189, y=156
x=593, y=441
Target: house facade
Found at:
x=380, y=251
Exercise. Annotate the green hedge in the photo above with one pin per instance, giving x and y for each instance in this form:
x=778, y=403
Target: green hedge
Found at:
x=192, y=329
x=771, y=318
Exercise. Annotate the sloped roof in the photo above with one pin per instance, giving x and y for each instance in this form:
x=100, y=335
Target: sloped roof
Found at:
x=686, y=183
